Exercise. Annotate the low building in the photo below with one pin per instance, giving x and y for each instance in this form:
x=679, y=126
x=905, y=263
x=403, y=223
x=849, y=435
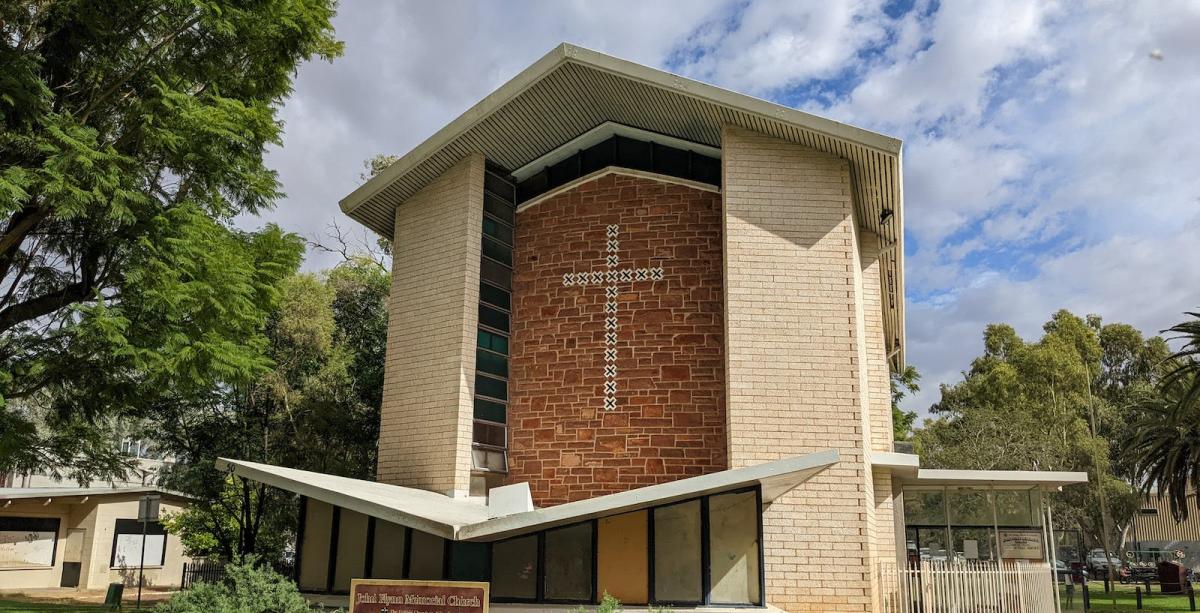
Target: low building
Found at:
x=1154, y=535
x=85, y=537
x=639, y=342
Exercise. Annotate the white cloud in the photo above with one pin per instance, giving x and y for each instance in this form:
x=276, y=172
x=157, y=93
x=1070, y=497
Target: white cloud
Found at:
x=1050, y=162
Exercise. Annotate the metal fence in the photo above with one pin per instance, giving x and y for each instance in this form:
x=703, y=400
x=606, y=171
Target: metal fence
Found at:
x=967, y=587
x=202, y=571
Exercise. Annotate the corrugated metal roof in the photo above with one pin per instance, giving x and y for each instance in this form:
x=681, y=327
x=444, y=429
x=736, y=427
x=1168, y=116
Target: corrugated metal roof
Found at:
x=572, y=90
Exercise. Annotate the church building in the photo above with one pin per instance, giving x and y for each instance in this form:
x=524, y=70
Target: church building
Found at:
x=640, y=337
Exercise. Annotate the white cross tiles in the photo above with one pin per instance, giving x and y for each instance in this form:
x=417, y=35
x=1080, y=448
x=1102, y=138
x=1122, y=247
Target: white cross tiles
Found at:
x=611, y=277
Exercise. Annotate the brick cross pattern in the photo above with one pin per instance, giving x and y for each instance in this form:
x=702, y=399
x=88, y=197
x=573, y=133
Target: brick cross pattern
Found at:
x=610, y=278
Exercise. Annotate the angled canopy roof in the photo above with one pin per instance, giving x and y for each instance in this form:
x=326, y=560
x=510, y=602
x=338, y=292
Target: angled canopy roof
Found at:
x=999, y=479
x=74, y=494
x=459, y=519
x=572, y=90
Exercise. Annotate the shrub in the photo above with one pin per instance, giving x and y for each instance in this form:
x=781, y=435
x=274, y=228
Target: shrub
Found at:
x=247, y=588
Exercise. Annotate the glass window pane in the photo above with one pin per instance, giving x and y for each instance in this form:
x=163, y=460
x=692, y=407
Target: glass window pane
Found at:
x=621, y=553
x=489, y=410
x=468, y=561
x=677, y=553
x=1012, y=508
x=733, y=548
x=499, y=231
x=972, y=543
x=514, y=568
x=388, y=551
x=496, y=251
x=492, y=388
x=498, y=207
x=495, y=296
x=924, y=507
x=498, y=186
x=492, y=341
x=931, y=544
x=489, y=434
x=569, y=563
x=492, y=363
x=427, y=553
x=489, y=459
x=970, y=507
x=492, y=318
x=495, y=273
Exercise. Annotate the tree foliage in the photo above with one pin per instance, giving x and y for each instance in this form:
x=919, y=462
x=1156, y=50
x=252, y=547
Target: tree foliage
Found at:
x=1164, y=438
x=1031, y=406
x=131, y=134
x=903, y=383
x=316, y=409
x=249, y=587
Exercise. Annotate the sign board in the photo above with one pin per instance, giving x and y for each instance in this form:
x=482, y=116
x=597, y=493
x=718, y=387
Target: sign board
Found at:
x=1021, y=545
x=394, y=596
x=148, y=508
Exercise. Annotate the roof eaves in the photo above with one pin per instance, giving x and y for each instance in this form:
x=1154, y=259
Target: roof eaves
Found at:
x=566, y=52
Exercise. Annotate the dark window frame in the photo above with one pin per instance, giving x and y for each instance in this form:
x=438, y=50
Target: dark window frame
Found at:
x=29, y=523
x=112, y=556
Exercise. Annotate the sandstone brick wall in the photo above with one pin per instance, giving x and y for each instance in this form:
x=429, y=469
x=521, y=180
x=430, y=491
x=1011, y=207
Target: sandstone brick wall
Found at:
x=670, y=419
x=425, y=425
x=791, y=285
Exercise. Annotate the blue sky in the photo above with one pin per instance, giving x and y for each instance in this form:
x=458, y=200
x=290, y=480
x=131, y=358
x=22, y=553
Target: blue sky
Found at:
x=1050, y=160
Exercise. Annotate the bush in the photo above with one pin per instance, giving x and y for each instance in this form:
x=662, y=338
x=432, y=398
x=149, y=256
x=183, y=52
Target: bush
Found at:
x=247, y=588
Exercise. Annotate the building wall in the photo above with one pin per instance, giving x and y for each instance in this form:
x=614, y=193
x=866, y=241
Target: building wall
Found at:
x=670, y=419
x=425, y=429
x=98, y=516
x=796, y=315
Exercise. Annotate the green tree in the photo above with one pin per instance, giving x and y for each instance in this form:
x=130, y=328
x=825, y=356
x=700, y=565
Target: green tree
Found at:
x=131, y=134
x=317, y=409
x=1059, y=403
x=1164, y=437
x=903, y=383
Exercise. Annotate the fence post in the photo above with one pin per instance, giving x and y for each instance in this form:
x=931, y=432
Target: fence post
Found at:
x=183, y=579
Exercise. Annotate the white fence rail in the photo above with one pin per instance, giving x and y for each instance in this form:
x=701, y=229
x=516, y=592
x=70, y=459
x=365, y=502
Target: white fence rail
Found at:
x=967, y=587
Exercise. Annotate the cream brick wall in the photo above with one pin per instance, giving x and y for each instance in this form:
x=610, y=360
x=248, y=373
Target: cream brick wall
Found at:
x=425, y=429
x=800, y=320
x=878, y=376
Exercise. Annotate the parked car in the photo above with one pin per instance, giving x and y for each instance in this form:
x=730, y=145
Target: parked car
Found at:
x=1097, y=561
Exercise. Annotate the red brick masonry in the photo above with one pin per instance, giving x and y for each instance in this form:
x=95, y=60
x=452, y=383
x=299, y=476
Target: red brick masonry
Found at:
x=670, y=418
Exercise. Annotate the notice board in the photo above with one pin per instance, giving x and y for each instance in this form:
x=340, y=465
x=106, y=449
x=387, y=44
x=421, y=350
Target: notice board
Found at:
x=395, y=596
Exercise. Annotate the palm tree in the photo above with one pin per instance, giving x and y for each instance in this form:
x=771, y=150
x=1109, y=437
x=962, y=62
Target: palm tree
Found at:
x=1187, y=359
x=1164, y=437
x=1164, y=441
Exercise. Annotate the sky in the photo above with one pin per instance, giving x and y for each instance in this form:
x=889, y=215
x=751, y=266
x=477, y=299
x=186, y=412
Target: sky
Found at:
x=1051, y=150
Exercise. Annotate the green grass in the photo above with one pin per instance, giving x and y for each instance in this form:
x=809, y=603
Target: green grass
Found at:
x=1126, y=599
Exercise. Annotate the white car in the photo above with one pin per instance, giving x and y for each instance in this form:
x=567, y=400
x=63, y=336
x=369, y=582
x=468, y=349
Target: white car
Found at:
x=1097, y=560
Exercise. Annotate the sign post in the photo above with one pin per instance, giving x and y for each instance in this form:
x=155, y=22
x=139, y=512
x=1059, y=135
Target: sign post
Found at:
x=393, y=596
x=147, y=512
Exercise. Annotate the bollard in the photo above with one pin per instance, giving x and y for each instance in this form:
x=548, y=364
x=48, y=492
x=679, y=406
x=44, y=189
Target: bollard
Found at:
x=1087, y=600
x=1191, y=597
x=1137, y=591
